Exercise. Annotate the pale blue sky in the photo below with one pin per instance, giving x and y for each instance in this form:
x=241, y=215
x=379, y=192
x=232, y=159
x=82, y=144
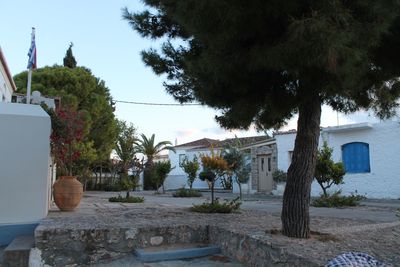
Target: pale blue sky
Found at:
x=108, y=46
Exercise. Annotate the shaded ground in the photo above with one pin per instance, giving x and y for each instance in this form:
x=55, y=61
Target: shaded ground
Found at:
x=356, y=229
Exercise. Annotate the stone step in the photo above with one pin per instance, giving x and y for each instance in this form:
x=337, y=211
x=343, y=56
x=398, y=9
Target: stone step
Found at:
x=16, y=254
x=176, y=252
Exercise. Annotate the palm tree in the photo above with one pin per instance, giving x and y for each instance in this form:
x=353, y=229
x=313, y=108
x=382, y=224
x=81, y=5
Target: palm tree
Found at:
x=148, y=147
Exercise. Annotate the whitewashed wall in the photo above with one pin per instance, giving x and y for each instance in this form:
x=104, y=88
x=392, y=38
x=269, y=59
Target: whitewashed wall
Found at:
x=284, y=143
x=384, y=145
x=24, y=163
x=5, y=86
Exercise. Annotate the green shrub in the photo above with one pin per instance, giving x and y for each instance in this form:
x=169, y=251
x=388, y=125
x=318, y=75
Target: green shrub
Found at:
x=337, y=200
x=327, y=172
x=130, y=199
x=279, y=176
x=183, y=192
x=218, y=207
x=190, y=168
x=162, y=169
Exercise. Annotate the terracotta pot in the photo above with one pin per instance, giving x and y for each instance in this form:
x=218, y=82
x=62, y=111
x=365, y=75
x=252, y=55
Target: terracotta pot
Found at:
x=67, y=192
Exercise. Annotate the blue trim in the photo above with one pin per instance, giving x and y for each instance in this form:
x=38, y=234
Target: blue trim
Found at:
x=188, y=253
x=8, y=232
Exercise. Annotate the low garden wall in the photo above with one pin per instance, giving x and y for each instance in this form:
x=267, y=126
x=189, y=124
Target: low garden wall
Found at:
x=60, y=247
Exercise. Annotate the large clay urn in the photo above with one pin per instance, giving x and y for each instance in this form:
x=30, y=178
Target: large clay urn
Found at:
x=67, y=192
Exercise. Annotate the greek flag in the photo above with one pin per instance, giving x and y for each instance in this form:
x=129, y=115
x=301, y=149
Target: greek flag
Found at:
x=32, y=52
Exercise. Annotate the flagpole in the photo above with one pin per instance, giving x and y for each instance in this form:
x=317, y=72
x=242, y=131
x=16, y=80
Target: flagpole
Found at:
x=28, y=86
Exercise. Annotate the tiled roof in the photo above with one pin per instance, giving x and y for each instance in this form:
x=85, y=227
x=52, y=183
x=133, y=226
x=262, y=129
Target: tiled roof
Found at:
x=292, y=131
x=205, y=142
x=244, y=141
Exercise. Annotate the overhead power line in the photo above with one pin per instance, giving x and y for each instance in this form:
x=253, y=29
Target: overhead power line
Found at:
x=154, y=104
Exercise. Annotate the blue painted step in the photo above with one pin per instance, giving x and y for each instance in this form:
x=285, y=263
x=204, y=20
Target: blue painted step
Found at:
x=175, y=252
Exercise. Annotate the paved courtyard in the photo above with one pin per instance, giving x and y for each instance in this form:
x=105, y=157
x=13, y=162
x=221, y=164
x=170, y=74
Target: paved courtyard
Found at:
x=378, y=210
x=372, y=228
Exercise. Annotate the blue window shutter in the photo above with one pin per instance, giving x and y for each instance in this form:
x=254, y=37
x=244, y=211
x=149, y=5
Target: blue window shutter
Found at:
x=356, y=157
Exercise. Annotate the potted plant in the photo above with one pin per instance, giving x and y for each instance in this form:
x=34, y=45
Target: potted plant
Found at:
x=67, y=134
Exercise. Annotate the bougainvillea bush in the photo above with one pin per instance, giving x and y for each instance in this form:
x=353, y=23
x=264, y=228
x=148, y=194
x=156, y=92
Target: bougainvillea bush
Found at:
x=68, y=132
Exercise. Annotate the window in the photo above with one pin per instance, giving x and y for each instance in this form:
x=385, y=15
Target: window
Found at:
x=262, y=164
x=356, y=157
x=269, y=164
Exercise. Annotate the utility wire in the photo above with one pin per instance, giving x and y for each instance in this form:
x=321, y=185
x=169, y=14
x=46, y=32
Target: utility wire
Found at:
x=154, y=104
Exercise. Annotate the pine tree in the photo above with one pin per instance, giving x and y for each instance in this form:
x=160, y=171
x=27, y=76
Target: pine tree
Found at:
x=69, y=59
x=260, y=62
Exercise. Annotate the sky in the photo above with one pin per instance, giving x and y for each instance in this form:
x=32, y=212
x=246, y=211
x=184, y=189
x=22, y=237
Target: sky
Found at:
x=106, y=44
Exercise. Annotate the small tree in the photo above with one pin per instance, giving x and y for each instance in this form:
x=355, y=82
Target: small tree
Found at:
x=126, y=182
x=125, y=146
x=214, y=167
x=327, y=172
x=190, y=167
x=242, y=176
x=237, y=166
x=161, y=170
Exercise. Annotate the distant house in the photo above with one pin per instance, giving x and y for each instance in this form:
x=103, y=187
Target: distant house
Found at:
x=369, y=152
x=7, y=85
x=261, y=154
x=177, y=177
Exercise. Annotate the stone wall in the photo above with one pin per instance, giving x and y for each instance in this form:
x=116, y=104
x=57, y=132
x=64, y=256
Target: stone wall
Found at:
x=61, y=247
x=255, y=250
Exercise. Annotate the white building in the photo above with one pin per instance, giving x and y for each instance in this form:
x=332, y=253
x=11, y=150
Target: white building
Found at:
x=177, y=177
x=7, y=85
x=369, y=152
x=261, y=155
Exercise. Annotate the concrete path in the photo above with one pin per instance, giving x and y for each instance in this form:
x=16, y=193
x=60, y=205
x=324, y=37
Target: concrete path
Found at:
x=378, y=210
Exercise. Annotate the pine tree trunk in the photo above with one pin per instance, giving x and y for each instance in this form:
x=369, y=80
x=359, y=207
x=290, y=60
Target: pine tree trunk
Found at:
x=296, y=198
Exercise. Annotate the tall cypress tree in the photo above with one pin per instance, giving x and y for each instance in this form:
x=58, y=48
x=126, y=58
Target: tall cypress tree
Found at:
x=69, y=59
x=261, y=62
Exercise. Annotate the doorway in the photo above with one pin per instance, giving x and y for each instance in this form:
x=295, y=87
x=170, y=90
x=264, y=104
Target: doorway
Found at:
x=265, y=183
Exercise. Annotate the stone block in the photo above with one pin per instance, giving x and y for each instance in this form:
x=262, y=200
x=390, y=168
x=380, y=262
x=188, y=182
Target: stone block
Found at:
x=16, y=254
